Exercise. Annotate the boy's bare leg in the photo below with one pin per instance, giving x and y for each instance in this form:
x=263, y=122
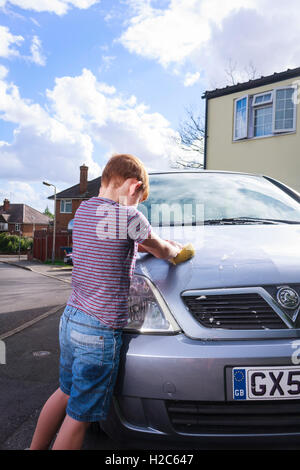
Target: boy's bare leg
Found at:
x=71, y=435
x=49, y=420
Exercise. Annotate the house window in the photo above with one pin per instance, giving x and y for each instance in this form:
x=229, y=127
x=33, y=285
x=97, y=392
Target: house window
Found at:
x=262, y=98
x=66, y=206
x=3, y=227
x=265, y=114
x=17, y=227
x=241, y=118
x=284, y=110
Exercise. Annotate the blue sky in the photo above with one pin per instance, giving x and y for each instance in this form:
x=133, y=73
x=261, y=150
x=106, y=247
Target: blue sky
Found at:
x=83, y=79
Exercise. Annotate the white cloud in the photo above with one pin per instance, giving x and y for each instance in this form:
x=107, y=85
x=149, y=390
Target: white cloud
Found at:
x=191, y=36
x=36, y=52
x=119, y=123
x=7, y=41
x=106, y=89
x=59, y=7
x=80, y=114
x=40, y=138
x=107, y=61
x=3, y=72
x=167, y=36
x=191, y=78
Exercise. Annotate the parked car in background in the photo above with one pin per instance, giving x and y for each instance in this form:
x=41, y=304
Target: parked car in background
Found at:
x=210, y=349
x=68, y=256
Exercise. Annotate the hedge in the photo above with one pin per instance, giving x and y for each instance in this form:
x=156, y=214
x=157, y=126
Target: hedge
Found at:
x=10, y=243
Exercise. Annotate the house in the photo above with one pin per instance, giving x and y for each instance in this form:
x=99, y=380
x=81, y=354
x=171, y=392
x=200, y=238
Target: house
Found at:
x=255, y=127
x=21, y=219
x=68, y=200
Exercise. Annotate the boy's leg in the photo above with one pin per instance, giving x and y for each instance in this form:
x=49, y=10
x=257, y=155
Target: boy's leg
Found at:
x=49, y=420
x=71, y=434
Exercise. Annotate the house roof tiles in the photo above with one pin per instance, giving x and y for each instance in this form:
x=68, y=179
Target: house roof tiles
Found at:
x=73, y=192
x=23, y=214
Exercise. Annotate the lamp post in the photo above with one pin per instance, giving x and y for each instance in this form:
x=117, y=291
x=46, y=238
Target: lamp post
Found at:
x=54, y=227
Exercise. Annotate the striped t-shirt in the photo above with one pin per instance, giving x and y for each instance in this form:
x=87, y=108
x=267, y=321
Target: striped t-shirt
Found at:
x=105, y=243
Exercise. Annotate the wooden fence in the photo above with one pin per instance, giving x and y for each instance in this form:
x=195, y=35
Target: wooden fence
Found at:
x=42, y=244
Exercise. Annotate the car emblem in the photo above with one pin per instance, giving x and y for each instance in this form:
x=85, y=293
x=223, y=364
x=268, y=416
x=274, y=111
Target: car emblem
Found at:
x=288, y=298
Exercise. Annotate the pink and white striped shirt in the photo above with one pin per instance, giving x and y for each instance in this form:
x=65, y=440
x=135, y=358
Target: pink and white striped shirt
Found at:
x=105, y=243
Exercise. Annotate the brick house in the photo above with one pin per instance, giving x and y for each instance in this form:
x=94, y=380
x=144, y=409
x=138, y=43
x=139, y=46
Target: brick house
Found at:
x=68, y=200
x=21, y=219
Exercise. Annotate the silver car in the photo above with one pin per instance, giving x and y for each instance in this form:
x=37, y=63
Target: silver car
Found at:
x=212, y=348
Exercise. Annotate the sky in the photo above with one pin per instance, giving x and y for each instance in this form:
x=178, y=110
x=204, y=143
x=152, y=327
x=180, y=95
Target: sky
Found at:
x=81, y=80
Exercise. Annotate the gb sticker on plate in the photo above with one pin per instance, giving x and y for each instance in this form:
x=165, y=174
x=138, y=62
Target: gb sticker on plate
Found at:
x=239, y=384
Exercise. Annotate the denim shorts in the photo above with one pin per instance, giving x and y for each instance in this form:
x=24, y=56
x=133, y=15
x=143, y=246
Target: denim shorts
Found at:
x=89, y=361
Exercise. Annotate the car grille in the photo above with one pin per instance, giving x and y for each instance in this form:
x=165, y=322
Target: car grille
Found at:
x=234, y=418
x=247, y=311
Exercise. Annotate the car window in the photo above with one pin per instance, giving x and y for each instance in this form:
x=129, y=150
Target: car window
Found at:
x=191, y=198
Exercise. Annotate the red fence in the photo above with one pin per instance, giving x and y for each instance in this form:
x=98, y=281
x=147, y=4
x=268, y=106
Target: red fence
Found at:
x=42, y=244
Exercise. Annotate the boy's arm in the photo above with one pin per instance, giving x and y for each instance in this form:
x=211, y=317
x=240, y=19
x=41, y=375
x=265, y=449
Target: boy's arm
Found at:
x=160, y=248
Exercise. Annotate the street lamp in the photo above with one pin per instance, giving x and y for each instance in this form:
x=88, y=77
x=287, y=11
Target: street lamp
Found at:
x=54, y=227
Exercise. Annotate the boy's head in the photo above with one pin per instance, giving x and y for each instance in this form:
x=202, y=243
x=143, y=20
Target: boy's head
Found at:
x=127, y=173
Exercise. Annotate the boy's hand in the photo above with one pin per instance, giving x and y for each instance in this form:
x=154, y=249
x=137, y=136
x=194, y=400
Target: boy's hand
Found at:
x=176, y=249
x=177, y=244
x=141, y=249
x=163, y=249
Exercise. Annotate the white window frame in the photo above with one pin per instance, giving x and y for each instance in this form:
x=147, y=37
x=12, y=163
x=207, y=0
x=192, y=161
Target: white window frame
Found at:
x=261, y=105
x=270, y=92
x=292, y=129
x=17, y=227
x=234, y=117
x=250, y=114
x=63, y=206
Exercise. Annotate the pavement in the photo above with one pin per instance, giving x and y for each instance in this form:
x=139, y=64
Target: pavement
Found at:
x=63, y=273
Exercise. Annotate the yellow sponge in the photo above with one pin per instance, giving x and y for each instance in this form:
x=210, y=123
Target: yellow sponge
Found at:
x=185, y=254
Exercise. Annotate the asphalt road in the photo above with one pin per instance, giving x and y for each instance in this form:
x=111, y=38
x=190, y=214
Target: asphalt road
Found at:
x=30, y=374
x=26, y=295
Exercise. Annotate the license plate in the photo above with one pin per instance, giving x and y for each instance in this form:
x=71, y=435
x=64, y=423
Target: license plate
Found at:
x=261, y=383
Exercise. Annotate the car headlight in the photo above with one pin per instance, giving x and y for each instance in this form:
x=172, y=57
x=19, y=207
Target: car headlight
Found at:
x=148, y=312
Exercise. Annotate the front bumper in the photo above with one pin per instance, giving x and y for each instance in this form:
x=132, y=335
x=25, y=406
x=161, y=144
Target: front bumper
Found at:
x=178, y=389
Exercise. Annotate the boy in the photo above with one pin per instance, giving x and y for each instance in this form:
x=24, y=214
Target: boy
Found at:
x=106, y=233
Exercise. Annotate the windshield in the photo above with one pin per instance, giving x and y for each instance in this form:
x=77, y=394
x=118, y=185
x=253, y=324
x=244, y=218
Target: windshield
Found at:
x=194, y=198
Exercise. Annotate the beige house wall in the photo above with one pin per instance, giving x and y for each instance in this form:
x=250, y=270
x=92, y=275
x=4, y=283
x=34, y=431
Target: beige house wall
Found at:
x=277, y=156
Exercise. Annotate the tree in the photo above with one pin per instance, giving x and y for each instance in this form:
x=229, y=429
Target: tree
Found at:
x=191, y=141
x=192, y=128
x=48, y=213
x=234, y=74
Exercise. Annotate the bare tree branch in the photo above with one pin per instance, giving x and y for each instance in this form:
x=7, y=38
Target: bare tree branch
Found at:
x=192, y=127
x=250, y=72
x=231, y=71
x=191, y=131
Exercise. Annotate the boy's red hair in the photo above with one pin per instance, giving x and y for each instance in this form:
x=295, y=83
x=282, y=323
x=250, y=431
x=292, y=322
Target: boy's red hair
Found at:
x=122, y=166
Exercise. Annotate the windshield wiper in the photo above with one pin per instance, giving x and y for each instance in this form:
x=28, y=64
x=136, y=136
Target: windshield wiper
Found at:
x=245, y=220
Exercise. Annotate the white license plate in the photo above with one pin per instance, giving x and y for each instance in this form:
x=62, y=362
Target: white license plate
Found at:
x=266, y=383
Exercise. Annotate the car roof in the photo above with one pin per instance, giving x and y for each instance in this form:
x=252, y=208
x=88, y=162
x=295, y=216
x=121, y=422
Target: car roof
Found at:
x=191, y=170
